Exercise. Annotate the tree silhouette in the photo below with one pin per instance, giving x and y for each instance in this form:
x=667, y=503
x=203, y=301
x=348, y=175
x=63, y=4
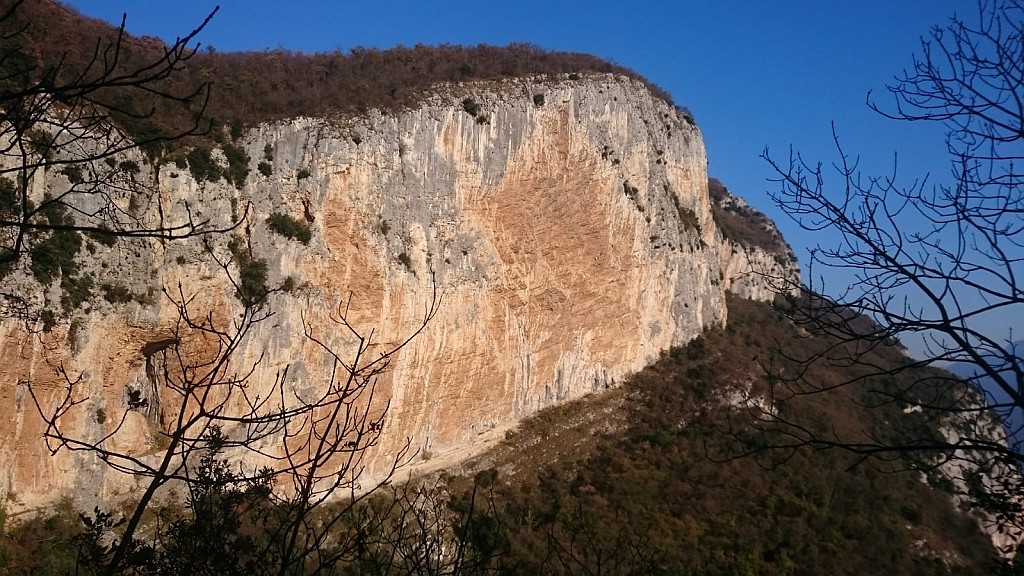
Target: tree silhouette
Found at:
x=930, y=262
x=82, y=134
x=310, y=448
x=77, y=126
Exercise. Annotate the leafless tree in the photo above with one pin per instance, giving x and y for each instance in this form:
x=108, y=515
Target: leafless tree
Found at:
x=930, y=262
x=83, y=121
x=311, y=446
x=431, y=529
x=324, y=452
x=91, y=131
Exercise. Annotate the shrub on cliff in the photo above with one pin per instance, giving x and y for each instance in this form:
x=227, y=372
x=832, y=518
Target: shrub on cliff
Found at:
x=238, y=165
x=202, y=165
x=470, y=106
x=290, y=227
x=251, y=287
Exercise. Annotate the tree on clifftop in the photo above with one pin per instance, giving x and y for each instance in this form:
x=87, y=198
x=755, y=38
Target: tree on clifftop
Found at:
x=931, y=263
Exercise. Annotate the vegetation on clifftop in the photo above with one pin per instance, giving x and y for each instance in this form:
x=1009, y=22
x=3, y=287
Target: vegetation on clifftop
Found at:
x=254, y=87
x=743, y=224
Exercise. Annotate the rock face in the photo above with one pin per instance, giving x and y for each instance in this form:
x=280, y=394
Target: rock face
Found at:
x=563, y=227
x=757, y=263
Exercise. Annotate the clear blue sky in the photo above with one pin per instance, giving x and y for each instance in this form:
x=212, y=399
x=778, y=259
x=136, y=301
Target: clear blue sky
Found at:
x=755, y=73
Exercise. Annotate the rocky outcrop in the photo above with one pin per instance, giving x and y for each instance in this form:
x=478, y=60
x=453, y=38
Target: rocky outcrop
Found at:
x=757, y=263
x=563, y=226
x=982, y=483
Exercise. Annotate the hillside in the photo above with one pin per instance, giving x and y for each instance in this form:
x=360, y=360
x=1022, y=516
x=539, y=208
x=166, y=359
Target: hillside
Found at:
x=654, y=478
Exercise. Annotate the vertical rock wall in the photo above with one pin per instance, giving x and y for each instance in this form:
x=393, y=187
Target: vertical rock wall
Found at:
x=562, y=226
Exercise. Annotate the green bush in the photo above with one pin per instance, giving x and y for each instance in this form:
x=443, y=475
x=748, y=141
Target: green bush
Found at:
x=73, y=173
x=42, y=143
x=117, y=294
x=265, y=168
x=632, y=192
x=41, y=543
x=10, y=199
x=238, y=165
x=55, y=254
x=74, y=291
x=202, y=166
x=129, y=166
x=470, y=106
x=251, y=287
x=302, y=174
x=289, y=227
x=49, y=319
x=237, y=129
x=688, y=218
x=252, y=282
x=105, y=238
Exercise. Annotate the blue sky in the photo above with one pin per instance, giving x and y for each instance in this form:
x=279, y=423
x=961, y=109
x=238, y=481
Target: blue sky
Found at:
x=755, y=73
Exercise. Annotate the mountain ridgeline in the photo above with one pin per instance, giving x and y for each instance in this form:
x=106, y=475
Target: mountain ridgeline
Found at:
x=504, y=271
x=250, y=88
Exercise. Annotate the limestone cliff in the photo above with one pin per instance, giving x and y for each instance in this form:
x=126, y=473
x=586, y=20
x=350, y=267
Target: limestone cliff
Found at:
x=565, y=224
x=757, y=262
